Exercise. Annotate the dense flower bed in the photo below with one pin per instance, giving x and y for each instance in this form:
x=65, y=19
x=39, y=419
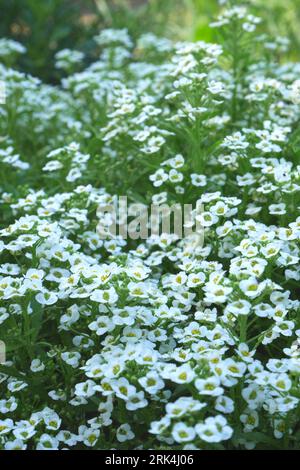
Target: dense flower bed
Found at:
x=158, y=343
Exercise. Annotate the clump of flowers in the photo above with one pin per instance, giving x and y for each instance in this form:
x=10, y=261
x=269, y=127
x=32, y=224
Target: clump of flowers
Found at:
x=158, y=343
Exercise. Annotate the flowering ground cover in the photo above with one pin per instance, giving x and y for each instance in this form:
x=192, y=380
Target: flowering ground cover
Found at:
x=157, y=342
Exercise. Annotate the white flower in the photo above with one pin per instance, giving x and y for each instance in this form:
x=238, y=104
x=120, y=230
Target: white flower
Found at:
x=216, y=88
x=281, y=382
x=6, y=426
x=52, y=421
x=71, y=358
x=152, y=383
x=16, y=386
x=136, y=401
x=89, y=436
x=16, y=444
x=278, y=209
x=251, y=288
x=37, y=365
x=214, y=429
x=175, y=176
x=295, y=92
x=123, y=388
x=8, y=406
x=253, y=395
x=224, y=404
x=108, y=296
x=198, y=180
x=47, y=442
x=250, y=420
x=207, y=219
x=239, y=307
x=46, y=298
x=124, y=433
x=85, y=389
x=244, y=352
x=182, y=374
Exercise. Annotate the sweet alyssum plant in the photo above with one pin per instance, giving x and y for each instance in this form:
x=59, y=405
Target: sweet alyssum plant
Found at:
x=157, y=343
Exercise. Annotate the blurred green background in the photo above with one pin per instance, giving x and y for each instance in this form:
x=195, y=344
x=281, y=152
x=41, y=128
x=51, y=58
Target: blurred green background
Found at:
x=46, y=26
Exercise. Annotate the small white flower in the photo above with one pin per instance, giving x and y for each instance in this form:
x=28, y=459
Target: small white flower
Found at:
x=124, y=433
x=183, y=433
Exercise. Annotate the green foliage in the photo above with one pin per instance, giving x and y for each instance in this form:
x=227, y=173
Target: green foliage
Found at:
x=47, y=26
x=161, y=341
x=44, y=27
